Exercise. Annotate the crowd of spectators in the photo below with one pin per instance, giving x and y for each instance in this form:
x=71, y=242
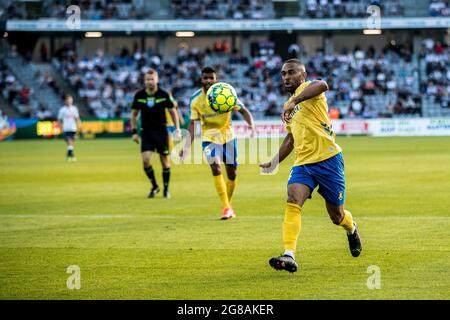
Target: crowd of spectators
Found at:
x=20, y=96
x=97, y=9
x=15, y=93
x=215, y=9
x=362, y=83
x=438, y=8
x=347, y=8
x=435, y=59
x=13, y=9
x=368, y=83
x=222, y=9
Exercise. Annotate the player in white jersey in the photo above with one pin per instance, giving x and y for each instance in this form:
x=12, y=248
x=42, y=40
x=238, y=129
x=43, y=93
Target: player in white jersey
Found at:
x=70, y=119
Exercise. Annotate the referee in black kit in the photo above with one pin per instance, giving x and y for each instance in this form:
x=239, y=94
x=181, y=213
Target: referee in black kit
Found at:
x=152, y=103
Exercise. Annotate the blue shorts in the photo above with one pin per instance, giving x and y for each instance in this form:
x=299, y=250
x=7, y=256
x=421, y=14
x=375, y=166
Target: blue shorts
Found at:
x=226, y=152
x=327, y=174
x=171, y=129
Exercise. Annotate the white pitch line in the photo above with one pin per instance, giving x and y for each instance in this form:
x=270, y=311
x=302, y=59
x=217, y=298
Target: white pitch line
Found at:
x=70, y=216
x=182, y=217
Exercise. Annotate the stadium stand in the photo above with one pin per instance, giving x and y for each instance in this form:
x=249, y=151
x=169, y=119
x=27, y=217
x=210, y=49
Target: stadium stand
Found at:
x=435, y=84
x=363, y=83
x=213, y=9
x=13, y=10
x=97, y=9
x=347, y=8
x=21, y=97
x=227, y=9
x=28, y=89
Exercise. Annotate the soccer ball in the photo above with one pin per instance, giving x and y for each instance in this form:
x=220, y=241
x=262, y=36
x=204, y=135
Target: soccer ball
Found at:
x=221, y=97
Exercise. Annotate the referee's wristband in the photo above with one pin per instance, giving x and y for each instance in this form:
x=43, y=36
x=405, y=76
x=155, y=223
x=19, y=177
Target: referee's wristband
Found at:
x=134, y=131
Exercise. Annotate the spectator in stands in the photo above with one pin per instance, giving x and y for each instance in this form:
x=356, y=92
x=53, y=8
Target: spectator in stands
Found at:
x=369, y=113
x=16, y=10
x=438, y=8
x=24, y=94
x=44, y=114
x=272, y=110
x=44, y=52
x=12, y=92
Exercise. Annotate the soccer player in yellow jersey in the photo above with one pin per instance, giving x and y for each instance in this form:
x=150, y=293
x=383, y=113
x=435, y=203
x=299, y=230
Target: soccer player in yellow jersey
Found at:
x=318, y=161
x=218, y=141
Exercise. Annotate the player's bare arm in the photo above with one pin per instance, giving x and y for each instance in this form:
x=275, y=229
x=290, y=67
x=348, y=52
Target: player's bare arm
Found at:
x=176, y=121
x=133, y=121
x=285, y=149
x=189, y=140
x=247, y=117
x=180, y=117
x=79, y=125
x=315, y=89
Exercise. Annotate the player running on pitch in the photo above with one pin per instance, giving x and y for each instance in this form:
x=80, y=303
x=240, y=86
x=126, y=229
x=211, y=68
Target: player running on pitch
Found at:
x=218, y=141
x=318, y=161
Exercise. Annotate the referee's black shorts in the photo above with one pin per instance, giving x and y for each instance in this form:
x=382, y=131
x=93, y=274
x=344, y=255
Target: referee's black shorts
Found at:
x=155, y=140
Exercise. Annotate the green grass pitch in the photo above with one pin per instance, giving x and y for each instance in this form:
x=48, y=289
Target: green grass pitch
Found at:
x=94, y=214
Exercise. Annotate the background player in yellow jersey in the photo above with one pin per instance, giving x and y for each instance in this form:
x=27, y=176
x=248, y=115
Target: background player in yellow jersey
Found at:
x=218, y=141
x=318, y=161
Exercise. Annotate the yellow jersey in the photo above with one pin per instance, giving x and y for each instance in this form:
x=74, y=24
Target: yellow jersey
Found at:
x=310, y=126
x=216, y=127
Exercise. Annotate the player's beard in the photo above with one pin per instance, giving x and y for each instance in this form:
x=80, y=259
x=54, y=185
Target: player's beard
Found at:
x=293, y=86
x=207, y=86
x=290, y=89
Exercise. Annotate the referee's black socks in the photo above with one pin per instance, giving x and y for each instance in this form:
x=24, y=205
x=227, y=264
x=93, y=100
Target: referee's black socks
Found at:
x=166, y=178
x=151, y=175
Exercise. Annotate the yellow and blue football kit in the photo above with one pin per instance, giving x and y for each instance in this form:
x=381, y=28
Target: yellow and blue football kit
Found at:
x=318, y=159
x=318, y=162
x=217, y=133
x=218, y=140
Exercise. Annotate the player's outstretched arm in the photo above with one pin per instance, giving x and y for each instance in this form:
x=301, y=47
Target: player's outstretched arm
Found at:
x=285, y=149
x=312, y=90
x=176, y=120
x=189, y=140
x=248, y=118
x=79, y=124
x=133, y=122
x=180, y=117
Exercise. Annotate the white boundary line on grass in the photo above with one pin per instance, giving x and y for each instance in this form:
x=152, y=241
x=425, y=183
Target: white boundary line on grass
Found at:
x=202, y=217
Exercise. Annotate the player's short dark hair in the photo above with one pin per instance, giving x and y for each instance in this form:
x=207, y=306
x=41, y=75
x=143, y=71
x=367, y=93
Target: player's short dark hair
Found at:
x=208, y=70
x=152, y=71
x=67, y=96
x=295, y=61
